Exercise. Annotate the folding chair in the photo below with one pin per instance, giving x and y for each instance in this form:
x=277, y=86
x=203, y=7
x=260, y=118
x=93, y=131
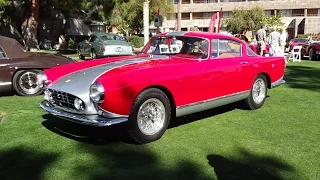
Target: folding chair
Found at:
x=295, y=54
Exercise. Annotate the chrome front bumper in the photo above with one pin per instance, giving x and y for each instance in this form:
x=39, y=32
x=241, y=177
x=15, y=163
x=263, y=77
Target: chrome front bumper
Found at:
x=91, y=120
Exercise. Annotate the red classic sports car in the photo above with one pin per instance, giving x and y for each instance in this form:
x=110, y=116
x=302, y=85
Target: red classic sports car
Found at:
x=19, y=68
x=177, y=73
x=254, y=47
x=312, y=50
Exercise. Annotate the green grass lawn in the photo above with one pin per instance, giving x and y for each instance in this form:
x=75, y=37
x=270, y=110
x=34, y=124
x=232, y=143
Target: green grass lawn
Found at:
x=279, y=141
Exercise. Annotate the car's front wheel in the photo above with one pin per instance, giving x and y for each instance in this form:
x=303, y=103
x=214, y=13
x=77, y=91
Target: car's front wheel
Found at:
x=80, y=55
x=258, y=93
x=150, y=116
x=93, y=54
x=25, y=83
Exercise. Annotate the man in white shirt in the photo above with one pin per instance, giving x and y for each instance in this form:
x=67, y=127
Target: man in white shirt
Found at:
x=274, y=42
x=283, y=39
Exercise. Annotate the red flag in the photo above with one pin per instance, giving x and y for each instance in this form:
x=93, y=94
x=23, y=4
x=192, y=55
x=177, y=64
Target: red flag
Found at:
x=212, y=22
x=219, y=23
x=158, y=11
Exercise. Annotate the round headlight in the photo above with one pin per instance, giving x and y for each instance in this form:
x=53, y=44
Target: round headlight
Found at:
x=78, y=104
x=97, y=92
x=42, y=78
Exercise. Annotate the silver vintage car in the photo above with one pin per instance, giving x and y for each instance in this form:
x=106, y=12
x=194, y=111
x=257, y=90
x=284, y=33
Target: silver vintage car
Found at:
x=104, y=44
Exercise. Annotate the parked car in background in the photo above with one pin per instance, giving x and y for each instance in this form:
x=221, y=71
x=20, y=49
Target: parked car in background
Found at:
x=298, y=41
x=254, y=46
x=312, y=50
x=102, y=44
x=177, y=73
x=19, y=68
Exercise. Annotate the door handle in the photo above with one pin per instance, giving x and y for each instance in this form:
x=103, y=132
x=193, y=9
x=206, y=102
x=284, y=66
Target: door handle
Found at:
x=244, y=62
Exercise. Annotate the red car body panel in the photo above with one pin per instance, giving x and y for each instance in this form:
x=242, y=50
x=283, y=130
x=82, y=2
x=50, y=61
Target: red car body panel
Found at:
x=187, y=80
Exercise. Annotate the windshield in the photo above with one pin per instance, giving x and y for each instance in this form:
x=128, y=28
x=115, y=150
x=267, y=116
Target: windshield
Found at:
x=112, y=37
x=300, y=40
x=189, y=47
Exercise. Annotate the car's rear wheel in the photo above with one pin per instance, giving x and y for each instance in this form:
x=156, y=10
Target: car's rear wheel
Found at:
x=93, y=54
x=25, y=83
x=149, y=117
x=258, y=93
x=311, y=56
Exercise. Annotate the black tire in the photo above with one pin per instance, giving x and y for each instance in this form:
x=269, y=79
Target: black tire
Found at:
x=255, y=99
x=80, y=55
x=25, y=83
x=156, y=98
x=311, y=56
x=93, y=54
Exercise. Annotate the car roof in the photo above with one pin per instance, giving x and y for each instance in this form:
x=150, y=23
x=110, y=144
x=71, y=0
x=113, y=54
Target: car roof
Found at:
x=12, y=48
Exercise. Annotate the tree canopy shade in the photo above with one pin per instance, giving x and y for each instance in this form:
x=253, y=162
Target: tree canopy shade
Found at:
x=128, y=14
x=250, y=20
x=125, y=14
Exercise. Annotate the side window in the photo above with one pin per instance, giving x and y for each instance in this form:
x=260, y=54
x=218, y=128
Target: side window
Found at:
x=93, y=39
x=2, y=53
x=224, y=48
x=229, y=48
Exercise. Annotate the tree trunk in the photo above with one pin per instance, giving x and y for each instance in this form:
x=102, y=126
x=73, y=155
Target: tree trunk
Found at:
x=30, y=27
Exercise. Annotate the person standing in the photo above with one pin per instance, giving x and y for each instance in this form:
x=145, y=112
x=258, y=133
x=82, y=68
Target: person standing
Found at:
x=283, y=39
x=274, y=42
x=261, y=39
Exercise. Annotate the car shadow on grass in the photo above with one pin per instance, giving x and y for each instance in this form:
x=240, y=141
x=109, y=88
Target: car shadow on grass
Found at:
x=302, y=77
x=249, y=166
x=83, y=133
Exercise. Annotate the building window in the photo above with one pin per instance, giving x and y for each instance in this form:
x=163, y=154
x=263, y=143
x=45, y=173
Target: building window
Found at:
x=312, y=12
x=226, y=14
x=298, y=12
x=269, y=13
x=286, y=13
x=205, y=1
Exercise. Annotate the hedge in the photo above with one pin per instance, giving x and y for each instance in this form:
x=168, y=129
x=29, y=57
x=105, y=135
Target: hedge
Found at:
x=136, y=41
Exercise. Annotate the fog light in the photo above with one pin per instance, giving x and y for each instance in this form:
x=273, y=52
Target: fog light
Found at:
x=78, y=104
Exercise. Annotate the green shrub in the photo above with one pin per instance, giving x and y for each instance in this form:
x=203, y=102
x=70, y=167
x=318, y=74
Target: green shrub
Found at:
x=136, y=41
x=72, y=43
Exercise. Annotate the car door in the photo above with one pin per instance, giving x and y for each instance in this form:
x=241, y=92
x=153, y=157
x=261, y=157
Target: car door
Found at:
x=97, y=46
x=225, y=68
x=5, y=77
x=88, y=45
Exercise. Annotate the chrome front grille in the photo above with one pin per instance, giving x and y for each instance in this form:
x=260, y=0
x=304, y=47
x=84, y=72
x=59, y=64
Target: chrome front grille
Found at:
x=62, y=99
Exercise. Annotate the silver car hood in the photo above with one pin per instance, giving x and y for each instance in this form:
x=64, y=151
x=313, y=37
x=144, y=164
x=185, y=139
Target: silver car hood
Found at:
x=78, y=83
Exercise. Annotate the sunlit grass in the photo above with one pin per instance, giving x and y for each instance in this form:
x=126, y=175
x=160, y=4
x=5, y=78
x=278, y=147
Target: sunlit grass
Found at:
x=278, y=141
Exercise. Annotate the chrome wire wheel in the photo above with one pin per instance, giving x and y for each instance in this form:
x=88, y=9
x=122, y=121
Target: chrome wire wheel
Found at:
x=151, y=116
x=259, y=91
x=28, y=83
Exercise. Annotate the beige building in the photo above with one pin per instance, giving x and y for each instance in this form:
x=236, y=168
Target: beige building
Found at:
x=299, y=16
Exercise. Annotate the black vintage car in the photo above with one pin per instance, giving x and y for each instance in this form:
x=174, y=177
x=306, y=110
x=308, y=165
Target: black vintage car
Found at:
x=19, y=68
